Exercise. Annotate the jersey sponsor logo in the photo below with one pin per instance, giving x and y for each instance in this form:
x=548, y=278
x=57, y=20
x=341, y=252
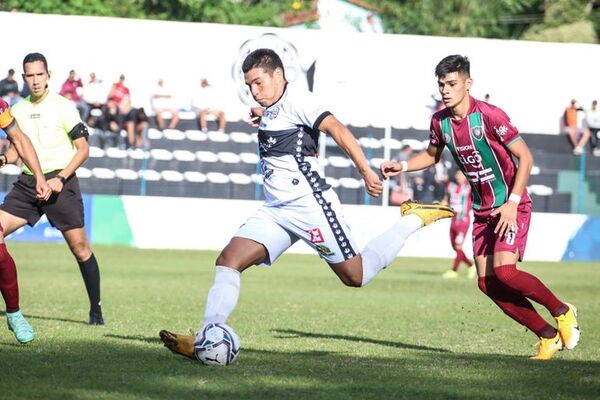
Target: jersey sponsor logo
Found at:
x=324, y=250
x=483, y=175
x=316, y=236
x=464, y=148
x=34, y=116
x=477, y=132
x=474, y=158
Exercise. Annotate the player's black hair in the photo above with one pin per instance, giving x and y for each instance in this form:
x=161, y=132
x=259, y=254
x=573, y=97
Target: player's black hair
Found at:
x=454, y=63
x=33, y=57
x=266, y=59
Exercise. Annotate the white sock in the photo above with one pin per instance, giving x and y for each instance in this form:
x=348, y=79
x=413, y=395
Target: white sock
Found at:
x=222, y=296
x=382, y=249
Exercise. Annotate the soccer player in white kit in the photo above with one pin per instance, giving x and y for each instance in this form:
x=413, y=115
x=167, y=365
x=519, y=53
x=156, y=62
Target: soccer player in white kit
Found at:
x=300, y=205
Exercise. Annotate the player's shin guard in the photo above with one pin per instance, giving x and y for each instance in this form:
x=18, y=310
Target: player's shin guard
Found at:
x=381, y=250
x=515, y=306
x=530, y=287
x=222, y=296
x=9, y=285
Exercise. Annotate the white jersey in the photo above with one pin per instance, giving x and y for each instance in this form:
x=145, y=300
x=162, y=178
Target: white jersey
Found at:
x=288, y=140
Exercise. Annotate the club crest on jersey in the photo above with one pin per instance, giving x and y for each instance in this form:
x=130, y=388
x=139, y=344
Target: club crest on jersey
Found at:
x=477, y=132
x=272, y=113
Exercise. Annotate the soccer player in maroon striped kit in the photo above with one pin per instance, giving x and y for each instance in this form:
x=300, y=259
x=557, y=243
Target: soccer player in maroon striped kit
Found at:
x=484, y=143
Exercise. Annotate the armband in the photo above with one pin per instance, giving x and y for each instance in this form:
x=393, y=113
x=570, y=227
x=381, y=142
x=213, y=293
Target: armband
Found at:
x=515, y=198
x=79, y=131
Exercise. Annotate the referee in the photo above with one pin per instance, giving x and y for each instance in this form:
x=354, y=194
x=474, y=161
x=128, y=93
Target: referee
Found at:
x=59, y=137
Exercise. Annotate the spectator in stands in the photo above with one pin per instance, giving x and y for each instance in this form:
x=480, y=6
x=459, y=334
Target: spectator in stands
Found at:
x=592, y=127
x=162, y=100
x=486, y=98
x=118, y=91
x=370, y=24
x=205, y=103
x=9, y=88
x=570, y=125
x=94, y=94
x=135, y=123
x=71, y=89
x=108, y=125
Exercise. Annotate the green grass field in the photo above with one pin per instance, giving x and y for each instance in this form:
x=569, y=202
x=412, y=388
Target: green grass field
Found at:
x=408, y=335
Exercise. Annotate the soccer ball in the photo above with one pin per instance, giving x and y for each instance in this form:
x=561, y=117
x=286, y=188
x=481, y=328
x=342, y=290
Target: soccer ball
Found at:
x=217, y=344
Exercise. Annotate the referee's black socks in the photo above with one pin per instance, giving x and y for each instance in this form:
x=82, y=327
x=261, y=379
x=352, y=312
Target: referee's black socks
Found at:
x=91, y=278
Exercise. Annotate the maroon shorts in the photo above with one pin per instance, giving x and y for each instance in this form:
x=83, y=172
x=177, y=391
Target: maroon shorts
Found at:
x=486, y=242
x=458, y=231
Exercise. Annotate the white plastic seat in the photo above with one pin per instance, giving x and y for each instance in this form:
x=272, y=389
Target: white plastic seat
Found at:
x=535, y=170
x=339, y=161
x=217, y=177
x=11, y=169
x=228, y=157
x=194, y=176
x=150, y=175
x=184, y=155
x=196, y=135
x=240, y=137
x=257, y=178
x=173, y=134
x=333, y=182
x=393, y=144
x=541, y=190
x=139, y=154
x=350, y=183
x=240, y=179
x=369, y=143
x=207, y=156
x=154, y=134
x=413, y=143
x=127, y=174
x=161, y=154
x=171, y=176
x=249, y=158
x=115, y=152
x=83, y=173
x=217, y=136
x=376, y=162
x=103, y=173
x=96, y=152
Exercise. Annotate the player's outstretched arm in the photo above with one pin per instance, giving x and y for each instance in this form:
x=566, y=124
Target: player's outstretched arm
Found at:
x=347, y=142
x=421, y=161
x=180, y=344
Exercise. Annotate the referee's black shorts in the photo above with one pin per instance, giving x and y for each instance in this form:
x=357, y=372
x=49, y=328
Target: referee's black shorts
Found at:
x=64, y=210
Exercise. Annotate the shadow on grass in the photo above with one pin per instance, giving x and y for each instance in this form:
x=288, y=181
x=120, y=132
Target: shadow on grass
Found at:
x=290, y=333
x=73, y=321
x=135, y=368
x=136, y=338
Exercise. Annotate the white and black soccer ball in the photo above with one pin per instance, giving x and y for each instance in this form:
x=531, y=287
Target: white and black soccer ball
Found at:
x=216, y=344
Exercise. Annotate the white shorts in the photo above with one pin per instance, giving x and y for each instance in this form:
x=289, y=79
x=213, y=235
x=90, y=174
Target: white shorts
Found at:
x=316, y=218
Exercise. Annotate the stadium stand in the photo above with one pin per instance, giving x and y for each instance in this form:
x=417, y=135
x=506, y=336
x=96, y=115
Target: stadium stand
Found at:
x=187, y=162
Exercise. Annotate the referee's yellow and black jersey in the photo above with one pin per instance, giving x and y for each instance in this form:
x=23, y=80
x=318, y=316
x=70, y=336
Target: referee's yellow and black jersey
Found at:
x=47, y=124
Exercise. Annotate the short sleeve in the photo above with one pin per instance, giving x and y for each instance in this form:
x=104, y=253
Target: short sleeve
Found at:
x=6, y=118
x=309, y=110
x=503, y=129
x=70, y=115
x=435, y=135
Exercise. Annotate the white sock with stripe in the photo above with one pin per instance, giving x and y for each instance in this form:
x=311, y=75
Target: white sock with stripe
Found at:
x=222, y=296
x=382, y=249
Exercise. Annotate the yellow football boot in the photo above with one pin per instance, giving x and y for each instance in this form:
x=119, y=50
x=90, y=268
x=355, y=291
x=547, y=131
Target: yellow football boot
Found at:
x=568, y=327
x=548, y=347
x=179, y=344
x=429, y=213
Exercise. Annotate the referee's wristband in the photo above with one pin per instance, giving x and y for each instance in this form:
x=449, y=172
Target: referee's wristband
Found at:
x=403, y=166
x=515, y=198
